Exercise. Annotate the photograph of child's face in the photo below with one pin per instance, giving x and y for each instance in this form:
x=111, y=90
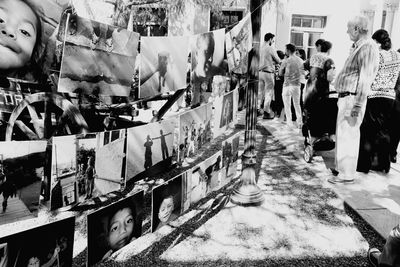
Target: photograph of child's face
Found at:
x=204, y=53
x=166, y=209
x=121, y=228
x=33, y=262
x=18, y=33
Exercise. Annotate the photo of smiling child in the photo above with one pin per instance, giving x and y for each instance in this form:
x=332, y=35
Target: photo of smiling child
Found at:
x=20, y=40
x=114, y=227
x=166, y=202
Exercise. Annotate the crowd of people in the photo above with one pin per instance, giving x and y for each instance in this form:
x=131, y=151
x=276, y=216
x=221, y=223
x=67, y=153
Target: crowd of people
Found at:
x=363, y=125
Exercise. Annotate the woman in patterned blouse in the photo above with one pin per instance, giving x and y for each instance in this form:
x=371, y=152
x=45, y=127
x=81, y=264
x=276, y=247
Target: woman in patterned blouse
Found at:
x=375, y=129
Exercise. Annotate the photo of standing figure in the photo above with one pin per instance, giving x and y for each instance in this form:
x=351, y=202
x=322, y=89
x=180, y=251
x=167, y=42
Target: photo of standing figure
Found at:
x=45, y=245
x=163, y=62
x=225, y=112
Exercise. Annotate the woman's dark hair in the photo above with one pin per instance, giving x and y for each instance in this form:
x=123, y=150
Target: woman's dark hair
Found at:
x=291, y=47
x=302, y=53
x=281, y=54
x=268, y=36
x=382, y=37
x=319, y=42
x=325, y=46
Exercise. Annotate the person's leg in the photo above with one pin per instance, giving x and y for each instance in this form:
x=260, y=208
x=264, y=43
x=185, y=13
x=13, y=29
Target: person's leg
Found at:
x=365, y=149
x=348, y=138
x=269, y=92
x=394, y=130
x=391, y=251
x=296, y=103
x=286, y=97
x=261, y=89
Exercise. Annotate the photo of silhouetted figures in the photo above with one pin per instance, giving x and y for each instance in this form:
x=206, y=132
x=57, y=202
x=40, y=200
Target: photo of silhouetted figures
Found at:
x=163, y=64
x=46, y=245
x=113, y=227
x=207, y=56
x=22, y=166
x=166, y=202
x=97, y=57
x=194, y=131
x=149, y=149
x=238, y=43
x=230, y=155
x=202, y=179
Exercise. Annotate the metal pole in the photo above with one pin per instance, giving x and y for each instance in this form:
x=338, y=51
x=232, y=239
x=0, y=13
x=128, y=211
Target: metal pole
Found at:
x=247, y=192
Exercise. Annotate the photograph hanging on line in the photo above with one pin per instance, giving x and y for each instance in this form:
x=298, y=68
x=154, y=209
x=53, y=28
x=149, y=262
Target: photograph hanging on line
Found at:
x=22, y=166
x=46, y=245
x=163, y=65
x=239, y=41
x=225, y=112
x=203, y=179
x=149, y=149
x=194, y=131
x=98, y=59
x=230, y=156
x=167, y=202
x=207, y=60
x=113, y=227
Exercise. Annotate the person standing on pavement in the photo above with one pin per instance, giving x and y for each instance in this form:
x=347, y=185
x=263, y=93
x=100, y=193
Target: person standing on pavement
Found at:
x=375, y=138
x=268, y=59
x=353, y=84
x=291, y=69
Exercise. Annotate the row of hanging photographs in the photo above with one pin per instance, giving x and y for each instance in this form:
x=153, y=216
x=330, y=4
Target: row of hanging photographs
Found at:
x=97, y=65
x=168, y=201
x=72, y=169
x=102, y=59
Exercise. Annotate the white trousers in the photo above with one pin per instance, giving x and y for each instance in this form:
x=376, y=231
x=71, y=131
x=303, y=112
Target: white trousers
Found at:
x=288, y=93
x=266, y=90
x=347, y=138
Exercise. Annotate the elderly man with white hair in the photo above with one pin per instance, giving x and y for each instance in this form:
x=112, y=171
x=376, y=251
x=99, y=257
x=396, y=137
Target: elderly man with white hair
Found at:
x=353, y=84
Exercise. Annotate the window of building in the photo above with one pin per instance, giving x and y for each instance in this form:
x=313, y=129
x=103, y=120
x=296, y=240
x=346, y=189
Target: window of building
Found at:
x=305, y=31
x=225, y=19
x=150, y=21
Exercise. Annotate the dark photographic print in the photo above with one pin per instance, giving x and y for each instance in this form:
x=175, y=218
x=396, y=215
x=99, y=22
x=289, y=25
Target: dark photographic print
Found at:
x=202, y=179
x=113, y=227
x=98, y=58
x=163, y=65
x=109, y=161
x=21, y=172
x=166, y=202
x=207, y=57
x=238, y=43
x=46, y=245
x=149, y=148
x=194, y=132
x=225, y=112
x=230, y=156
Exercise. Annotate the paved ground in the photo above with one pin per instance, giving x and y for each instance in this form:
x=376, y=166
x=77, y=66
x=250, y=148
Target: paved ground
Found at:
x=374, y=196
x=302, y=221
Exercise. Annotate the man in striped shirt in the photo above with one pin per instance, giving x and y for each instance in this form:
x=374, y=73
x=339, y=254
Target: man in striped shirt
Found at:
x=353, y=84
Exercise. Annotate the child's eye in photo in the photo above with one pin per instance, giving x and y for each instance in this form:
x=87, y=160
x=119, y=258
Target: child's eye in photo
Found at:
x=25, y=33
x=114, y=228
x=129, y=220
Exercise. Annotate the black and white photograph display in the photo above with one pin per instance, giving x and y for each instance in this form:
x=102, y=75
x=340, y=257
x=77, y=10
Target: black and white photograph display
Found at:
x=110, y=161
x=220, y=85
x=98, y=58
x=202, y=179
x=149, y=149
x=207, y=57
x=194, y=131
x=225, y=112
x=230, y=156
x=21, y=171
x=46, y=245
x=238, y=43
x=64, y=182
x=113, y=227
x=163, y=64
x=167, y=202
